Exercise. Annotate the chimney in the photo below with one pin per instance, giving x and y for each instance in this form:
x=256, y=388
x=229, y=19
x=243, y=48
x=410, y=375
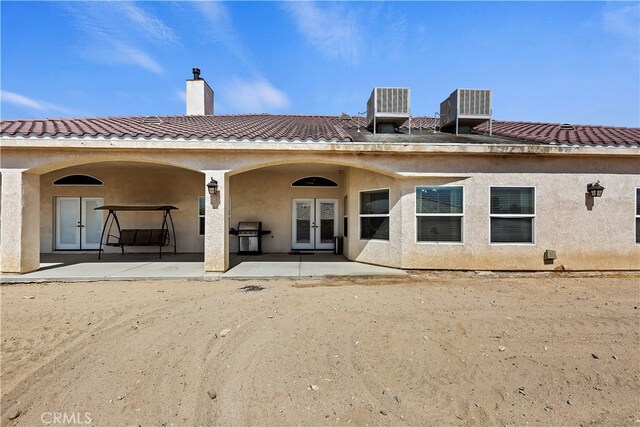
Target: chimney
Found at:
x=199, y=96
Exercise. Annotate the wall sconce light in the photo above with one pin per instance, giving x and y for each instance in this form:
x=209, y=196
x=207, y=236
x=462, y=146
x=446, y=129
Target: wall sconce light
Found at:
x=595, y=189
x=212, y=186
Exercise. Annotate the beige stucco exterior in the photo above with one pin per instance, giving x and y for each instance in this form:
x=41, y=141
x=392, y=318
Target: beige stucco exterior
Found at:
x=255, y=184
x=130, y=183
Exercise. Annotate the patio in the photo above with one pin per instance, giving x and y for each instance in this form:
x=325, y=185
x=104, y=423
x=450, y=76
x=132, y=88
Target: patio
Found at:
x=68, y=267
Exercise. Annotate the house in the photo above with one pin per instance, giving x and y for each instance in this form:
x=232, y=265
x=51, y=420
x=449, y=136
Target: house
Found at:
x=459, y=192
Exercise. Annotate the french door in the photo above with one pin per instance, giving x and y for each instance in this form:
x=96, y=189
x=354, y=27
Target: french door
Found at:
x=314, y=223
x=78, y=225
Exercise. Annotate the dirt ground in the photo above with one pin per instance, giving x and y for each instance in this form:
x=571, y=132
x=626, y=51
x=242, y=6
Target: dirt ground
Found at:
x=430, y=349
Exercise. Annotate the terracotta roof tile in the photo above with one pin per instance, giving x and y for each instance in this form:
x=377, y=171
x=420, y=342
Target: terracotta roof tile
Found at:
x=256, y=126
x=555, y=133
x=292, y=127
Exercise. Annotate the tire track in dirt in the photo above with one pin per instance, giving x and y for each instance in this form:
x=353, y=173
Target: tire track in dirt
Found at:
x=154, y=345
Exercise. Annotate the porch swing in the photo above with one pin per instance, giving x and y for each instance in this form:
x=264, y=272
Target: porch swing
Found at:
x=138, y=237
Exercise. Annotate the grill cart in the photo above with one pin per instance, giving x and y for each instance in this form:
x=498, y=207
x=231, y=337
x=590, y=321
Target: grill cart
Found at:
x=250, y=237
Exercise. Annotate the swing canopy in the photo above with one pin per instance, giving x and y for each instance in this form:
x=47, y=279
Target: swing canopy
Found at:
x=136, y=208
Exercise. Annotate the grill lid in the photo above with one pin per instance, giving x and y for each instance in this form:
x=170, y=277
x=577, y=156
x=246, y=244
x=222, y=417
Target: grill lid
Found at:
x=249, y=225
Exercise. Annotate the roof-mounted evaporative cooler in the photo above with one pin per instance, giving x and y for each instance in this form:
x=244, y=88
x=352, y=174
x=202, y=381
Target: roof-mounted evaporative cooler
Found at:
x=464, y=109
x=388, y=108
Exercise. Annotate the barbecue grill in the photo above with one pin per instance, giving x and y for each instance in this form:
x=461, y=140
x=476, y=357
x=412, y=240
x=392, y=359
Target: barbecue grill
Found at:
x=250, y=237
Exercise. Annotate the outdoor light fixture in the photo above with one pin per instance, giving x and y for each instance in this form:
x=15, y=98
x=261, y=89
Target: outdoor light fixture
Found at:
x=595, y=189
x=212, y=186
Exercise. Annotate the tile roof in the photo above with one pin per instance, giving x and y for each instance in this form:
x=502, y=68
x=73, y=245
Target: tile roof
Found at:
x=297, y=127
x=250, y=126
x=555, y=133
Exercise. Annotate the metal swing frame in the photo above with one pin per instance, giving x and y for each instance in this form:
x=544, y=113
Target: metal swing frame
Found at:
x=138, y=237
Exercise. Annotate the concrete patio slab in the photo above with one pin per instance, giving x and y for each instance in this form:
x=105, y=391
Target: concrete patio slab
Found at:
x=163, y=270
x=85, y=267
x=253, y=269
x=303, y=265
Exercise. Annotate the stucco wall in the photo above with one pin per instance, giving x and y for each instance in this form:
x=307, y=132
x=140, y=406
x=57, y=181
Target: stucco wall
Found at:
x=374, y=251
x=586, y=233
x=598, y=238
x=601, y=236
x=131, y=184
x=266, y=195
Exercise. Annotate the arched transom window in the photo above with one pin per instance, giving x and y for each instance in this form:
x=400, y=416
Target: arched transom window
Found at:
x=314, y=181
x=77, y=180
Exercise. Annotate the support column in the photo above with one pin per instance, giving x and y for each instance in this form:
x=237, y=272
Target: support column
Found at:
x=19, y=222
x=216, y=222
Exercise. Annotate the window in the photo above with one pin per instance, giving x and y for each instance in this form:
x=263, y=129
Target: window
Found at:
x=345, y=219
x=77, y=180
x=512, y=214
x=201, y=215
x=314, y=181
x=439, y=212
x=374, y=214
x=637, y=215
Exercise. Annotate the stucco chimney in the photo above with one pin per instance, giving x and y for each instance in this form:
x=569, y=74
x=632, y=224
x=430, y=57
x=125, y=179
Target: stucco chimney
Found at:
x=199, y=96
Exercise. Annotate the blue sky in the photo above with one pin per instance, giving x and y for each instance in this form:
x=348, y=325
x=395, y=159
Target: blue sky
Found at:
x=573, y=62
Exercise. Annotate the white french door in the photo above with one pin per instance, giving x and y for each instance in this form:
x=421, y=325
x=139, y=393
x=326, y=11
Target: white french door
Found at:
x=78, y=225
x=314, y=223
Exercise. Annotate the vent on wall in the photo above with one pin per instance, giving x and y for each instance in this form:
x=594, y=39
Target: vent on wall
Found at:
x=464, y=109
x=388, y=106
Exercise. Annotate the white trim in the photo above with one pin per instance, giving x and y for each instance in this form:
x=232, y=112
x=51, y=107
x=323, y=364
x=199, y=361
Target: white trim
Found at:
x=76, y=243
x=533, y=217
x=318, y=229
x=84, y=245
x=461, y=215
x=637, y=215
x=519, y=148
x=315, y=228
x=388, y=214
x=77, y=185
x=204, y=198
x=294, y=224
x=345, y=216
x=80, y=217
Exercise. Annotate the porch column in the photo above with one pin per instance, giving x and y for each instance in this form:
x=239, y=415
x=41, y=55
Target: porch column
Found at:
x=19, y=221
x=216, y=222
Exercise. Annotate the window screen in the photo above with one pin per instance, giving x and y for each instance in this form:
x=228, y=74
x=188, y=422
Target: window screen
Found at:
x=512, y=214
x=201, y=215
x=439, y=212
x=374, y=214
x=637, y=215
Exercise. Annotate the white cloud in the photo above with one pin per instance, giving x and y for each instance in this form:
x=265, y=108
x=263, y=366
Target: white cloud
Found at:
x=127, y=54
x=153, y=28
x=116, y=32
x=220, y=29
x=622, y=20
x=30, y=103
x=333, y=30
x=254, y=96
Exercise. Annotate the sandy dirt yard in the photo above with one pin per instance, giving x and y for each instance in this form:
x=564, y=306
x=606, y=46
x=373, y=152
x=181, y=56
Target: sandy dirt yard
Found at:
x=429, y=349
